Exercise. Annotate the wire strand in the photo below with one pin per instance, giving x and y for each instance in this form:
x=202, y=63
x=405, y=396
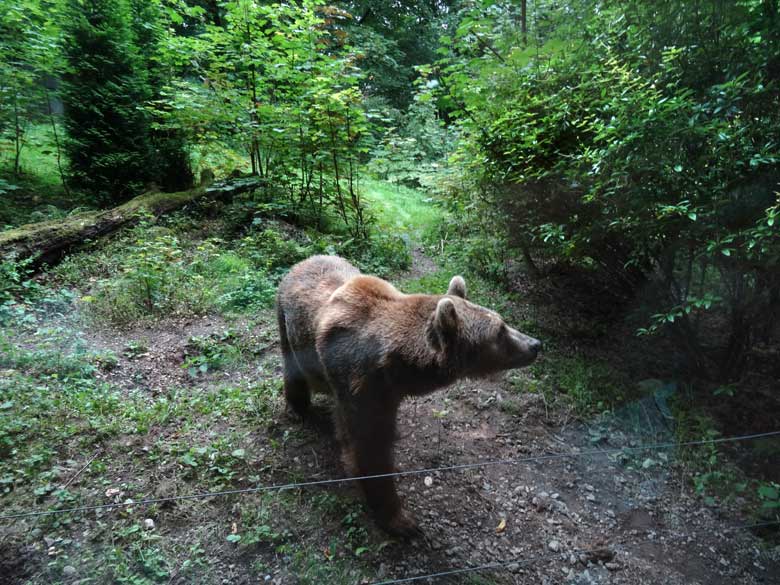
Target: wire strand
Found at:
x=531, y=560
x=458, y=467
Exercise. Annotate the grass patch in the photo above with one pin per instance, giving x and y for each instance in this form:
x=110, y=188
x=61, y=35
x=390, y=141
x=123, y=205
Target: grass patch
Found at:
x=37, y=193
x=399, y=209
x=480, y=290
x=589, y=387
x=151, y=273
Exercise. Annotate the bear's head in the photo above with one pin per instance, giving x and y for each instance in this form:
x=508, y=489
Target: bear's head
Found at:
x=476, y=341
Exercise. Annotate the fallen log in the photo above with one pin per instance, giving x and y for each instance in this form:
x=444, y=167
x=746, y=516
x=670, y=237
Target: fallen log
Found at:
x=48, y=241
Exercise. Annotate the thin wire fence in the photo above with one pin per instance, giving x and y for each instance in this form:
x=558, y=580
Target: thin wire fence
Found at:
x=521, y=562
x=425, y=471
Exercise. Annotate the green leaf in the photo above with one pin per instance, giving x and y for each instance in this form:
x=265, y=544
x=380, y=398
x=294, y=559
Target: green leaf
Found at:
x=187, y=459
x=726, y=252
x=233, y=538
x=174, y=16
x=239, y=453
x=678, y=168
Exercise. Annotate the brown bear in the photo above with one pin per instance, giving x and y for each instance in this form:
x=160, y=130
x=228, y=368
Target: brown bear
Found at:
x=361, y=340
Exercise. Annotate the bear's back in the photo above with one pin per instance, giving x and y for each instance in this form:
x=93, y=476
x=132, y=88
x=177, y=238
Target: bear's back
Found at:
x=312, y=281
x=304, y=291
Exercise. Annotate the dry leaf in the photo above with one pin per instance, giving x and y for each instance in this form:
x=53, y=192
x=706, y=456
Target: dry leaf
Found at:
x=501, y=526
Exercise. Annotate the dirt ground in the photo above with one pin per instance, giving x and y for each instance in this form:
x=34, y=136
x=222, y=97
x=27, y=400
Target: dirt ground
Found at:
x=592, y=519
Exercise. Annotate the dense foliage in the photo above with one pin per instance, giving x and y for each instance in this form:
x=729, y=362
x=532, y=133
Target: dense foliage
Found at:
x=641, y=140
x=108, y=144
x=28, y=52
x=290, y=100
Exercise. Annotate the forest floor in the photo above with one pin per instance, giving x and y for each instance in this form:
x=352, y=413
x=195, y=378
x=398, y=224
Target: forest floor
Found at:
x=150, y=422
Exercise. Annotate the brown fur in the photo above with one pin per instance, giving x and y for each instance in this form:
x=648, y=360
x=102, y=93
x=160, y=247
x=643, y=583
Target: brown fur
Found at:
x=367, y=344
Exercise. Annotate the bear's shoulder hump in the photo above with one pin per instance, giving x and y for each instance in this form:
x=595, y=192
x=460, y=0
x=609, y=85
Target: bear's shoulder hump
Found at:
x=366, y=289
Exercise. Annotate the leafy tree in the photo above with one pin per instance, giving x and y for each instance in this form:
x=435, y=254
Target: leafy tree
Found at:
x=393, y=38
x=28, y=37
x=172, y=162
x=104, y=93
x=278, y=82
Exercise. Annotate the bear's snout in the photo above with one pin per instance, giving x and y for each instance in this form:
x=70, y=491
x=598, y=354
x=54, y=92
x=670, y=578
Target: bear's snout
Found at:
x=527, y=347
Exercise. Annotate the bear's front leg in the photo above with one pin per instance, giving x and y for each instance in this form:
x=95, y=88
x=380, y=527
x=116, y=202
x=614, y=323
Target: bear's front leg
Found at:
x=368, y=437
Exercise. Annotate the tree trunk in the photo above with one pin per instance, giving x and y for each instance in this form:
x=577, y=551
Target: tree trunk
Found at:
x=524, y=21
x=48, y=241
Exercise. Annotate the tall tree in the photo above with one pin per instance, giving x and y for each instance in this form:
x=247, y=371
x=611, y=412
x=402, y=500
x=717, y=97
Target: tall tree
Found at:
x=105, y=89
x=27, y=54
x=171, y=161
x=394, y=38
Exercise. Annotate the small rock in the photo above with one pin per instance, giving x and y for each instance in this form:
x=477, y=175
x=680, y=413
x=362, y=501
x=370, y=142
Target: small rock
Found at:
x=541, y=502
x=612, y=566
x=554, y=545
x=149, y=524
x=428, y=481
x=68, y=570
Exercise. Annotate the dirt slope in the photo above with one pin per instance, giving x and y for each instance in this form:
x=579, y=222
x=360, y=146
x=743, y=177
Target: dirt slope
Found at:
x=640, y=523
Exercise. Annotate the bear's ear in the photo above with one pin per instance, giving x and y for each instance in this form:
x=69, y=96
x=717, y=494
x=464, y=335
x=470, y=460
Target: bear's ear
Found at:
x=457, y=287
x=446, y=316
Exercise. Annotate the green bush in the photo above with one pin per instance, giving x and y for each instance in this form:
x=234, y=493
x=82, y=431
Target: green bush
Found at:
x=637, y=151
x=154, y=279
x=14, y=278
x=271, y=251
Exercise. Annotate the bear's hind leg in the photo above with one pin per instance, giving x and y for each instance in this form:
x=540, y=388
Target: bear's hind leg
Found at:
x=296, y=388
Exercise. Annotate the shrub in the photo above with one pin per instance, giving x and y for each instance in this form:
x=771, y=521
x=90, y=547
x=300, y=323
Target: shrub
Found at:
x=154, y=280
x=639, y=152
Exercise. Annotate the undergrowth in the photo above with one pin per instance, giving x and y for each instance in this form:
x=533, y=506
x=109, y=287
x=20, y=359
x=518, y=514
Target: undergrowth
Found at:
x=158, y=270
